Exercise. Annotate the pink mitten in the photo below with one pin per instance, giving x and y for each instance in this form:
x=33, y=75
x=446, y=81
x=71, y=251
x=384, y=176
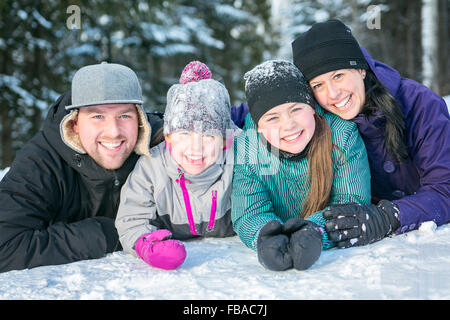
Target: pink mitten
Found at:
x=158, y=250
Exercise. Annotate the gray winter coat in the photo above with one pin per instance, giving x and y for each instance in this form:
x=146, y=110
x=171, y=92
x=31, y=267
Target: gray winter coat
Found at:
x=153, y=198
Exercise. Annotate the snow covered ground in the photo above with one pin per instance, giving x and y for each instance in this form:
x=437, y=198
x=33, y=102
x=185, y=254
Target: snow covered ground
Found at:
x=408, y=266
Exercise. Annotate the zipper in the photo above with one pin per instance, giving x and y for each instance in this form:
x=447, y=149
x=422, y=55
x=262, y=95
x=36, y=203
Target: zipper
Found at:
x=187, y=203
x=212, y=215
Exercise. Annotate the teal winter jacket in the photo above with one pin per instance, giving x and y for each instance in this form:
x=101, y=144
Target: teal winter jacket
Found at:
x=267, y=187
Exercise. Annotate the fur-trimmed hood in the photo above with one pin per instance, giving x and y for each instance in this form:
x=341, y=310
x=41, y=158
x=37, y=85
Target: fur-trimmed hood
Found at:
x=71, y=139
x=58, y=130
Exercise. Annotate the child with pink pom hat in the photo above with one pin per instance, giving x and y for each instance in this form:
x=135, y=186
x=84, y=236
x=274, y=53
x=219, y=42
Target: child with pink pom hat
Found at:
x=183, y=189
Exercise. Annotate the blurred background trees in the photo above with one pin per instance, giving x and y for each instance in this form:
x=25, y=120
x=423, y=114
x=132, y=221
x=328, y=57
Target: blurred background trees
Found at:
x=39, y=53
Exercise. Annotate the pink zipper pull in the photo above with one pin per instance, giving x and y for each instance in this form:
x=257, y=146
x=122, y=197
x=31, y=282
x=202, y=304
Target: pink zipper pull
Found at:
x=212, y=216
x=187, y=202
x=228, y=141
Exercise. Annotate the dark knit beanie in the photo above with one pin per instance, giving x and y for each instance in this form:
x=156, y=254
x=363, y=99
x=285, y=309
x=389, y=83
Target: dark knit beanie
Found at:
x=272, y=83
x=325, y=47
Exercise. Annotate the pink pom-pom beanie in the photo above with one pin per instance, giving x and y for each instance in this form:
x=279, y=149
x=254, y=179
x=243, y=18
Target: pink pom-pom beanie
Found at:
x=198, y=104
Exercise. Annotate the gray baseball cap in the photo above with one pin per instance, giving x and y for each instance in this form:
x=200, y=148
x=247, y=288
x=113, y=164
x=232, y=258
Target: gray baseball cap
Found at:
x=105, y=83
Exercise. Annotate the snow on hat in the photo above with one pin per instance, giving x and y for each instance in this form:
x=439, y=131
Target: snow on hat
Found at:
x=272, y=83
x=198, y=104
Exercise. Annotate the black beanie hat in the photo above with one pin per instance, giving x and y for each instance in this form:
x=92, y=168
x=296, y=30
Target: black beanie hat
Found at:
x=272, y=83
x=325, y=47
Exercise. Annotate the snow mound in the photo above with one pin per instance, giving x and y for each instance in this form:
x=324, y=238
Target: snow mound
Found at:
x=428, y=227
x=407, y=266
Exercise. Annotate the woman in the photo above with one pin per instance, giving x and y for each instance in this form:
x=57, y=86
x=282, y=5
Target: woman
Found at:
x=405, y=127
x=292, y=161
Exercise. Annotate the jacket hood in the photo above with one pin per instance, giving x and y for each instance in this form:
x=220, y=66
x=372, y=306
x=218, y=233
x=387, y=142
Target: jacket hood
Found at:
x=386, y=74
x=71, y=139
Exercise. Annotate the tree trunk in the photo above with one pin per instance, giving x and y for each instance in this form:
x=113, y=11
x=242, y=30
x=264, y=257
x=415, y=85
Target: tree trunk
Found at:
x=5, y=106
x=410, y=43
x=37, y=74
x=5, y=136
x=443, y=52
x=430, y=43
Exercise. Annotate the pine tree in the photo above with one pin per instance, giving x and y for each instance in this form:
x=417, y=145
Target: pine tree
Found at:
x=39, y=54
x=28, y=78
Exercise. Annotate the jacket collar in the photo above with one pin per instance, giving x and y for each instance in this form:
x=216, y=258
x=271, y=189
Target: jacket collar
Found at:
x=371, y=126
x=202, y=180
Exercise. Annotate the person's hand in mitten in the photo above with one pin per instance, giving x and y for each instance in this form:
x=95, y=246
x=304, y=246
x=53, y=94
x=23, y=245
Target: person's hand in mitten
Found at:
x=272, y=247
x=297, y=243
x=305, y=243
x=158, y=250
x=356, y=225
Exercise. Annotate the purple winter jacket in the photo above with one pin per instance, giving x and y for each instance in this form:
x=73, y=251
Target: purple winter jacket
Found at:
x=421, y=185
x=238, y=114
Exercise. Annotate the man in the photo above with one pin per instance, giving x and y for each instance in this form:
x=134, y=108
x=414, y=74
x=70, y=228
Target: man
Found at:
x=61, y=194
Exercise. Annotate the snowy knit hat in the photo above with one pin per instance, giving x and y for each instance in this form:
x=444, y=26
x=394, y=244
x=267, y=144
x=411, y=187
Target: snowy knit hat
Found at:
x=198, y=104
x=272, y=83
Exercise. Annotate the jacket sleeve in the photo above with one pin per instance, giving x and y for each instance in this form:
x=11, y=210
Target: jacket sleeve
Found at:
x=33, y=223
x=137, y=206
x=251, y=207
x=428, y=132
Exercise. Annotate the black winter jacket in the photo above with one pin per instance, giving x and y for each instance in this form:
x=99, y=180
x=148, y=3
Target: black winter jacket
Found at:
x=58, y=206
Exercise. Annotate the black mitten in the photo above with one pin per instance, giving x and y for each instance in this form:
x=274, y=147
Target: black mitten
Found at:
x=294, y=224
x=305, y=245
x=272, y=247
x=356, y=225
x=297, y=243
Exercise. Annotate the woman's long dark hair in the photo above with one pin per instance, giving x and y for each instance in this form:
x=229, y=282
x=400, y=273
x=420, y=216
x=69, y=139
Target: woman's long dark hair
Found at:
x=378, y=98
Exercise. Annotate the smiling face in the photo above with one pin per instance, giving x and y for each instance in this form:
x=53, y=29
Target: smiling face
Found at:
x=288, y=127
x=341, y=91
x=194, y=152
x=108, y=133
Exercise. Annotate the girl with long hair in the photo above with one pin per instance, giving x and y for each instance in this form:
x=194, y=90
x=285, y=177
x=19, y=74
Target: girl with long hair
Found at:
x=292, y=161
